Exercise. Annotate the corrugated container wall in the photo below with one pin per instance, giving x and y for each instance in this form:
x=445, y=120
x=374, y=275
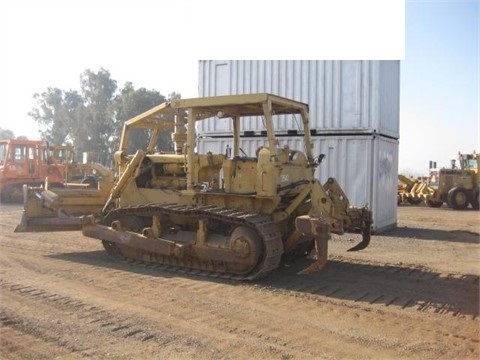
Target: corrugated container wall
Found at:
x=343, y=96
x=365, y=166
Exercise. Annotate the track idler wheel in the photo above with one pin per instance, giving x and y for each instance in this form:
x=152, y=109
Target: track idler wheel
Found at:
x=246, y=246
x=125, y=222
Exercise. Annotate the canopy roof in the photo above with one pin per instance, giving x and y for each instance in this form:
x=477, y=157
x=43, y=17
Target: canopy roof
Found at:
x=162, y=116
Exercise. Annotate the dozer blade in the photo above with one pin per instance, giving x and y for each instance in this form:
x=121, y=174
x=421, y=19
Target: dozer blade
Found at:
x=320, y=230
x=48, y=224
x=366, y=234
x=58, y=210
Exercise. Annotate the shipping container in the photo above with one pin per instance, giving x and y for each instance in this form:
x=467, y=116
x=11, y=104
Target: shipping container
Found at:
x=343, y=96
x=366, y=166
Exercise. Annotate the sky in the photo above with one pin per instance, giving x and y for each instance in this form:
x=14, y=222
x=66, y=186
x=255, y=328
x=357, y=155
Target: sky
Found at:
x=440, y=83
x=156, y=44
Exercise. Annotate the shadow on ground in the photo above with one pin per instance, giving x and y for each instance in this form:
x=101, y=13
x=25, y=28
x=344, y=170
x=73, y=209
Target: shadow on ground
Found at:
x=432, y=234
x=395, y=286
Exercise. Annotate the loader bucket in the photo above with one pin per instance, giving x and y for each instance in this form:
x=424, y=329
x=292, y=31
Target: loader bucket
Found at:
x=319, y=229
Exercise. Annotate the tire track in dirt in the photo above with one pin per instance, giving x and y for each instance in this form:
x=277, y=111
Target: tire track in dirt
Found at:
x=393, y=286
x=90, y=314
x=351, y=308
x=389, y=285
x=203, y=288
x=217, y=317
x=81, y=323
x=15, y=344
x=110, y=280
x=115, y=325
x=359, y=282
x=280, y=341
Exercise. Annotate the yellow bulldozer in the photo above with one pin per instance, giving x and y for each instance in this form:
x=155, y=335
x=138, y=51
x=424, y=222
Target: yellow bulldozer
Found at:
x=51, y=206
x=231, y=213
x=86, y=173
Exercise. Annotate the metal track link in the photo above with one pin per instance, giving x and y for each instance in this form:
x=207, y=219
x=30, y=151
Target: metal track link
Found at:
x=262, y=224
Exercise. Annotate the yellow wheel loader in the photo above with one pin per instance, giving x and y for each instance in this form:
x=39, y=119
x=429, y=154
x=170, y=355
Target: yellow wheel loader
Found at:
x=458, y=187
x=231, y=213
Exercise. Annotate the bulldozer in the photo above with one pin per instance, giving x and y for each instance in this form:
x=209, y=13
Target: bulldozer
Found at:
x=458, y=187
x=87, y=173
x=231, y=214
x=85, y=188
x=26, y=162
x=32, y=162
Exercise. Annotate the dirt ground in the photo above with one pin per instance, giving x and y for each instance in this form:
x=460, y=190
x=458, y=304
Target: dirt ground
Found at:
x=412, y=294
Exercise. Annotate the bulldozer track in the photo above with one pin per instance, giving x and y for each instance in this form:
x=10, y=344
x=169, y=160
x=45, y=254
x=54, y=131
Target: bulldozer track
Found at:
x=262, y=224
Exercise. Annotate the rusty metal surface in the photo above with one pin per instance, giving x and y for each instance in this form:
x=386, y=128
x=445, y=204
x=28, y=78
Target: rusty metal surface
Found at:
x=198, y=257
x=48, y=224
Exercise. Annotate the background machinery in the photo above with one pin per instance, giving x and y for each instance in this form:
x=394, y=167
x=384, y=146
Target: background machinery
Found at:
x=26, y=162
x=87, y=173
x=458, y=187
x=84, y=190
x=36, y=163
x=233, y=214
x=409, y=190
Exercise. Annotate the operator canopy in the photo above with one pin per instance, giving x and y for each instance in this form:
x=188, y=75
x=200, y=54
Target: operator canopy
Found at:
x=162, y=116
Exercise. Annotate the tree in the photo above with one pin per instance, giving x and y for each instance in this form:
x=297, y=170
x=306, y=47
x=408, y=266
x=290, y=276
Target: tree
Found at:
x=6, y=134
x=83, y=119
x=94, y=128
x=174, y=96
x=130, y=103
x=56, y=113
x=92, y=118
